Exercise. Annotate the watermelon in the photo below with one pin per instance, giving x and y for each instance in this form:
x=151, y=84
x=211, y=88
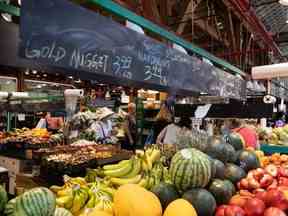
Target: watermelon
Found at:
x=236, y=140
x=202, y=200
x=217, y=149
x=3, y=198
x=62, y=212
x=166, y=193
x=232, y=157
x=234, y=173
x=248, y=160
x=231, y=186
x=218, y=168
x=221, y=190
x=36, y=202
x=190, y=168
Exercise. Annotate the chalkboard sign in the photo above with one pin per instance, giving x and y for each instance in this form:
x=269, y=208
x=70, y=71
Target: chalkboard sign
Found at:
x=279, y=88
x=62, y=34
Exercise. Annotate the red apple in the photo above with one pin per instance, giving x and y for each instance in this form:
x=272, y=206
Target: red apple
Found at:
x=239, y=200
x=253, y=183
x=243, y=184
x=283, y=171
x=229, y=210
x=220, y=211
x=272, y=170
x=272, y=211
x=254, y=207
x=283, y=181
x=276, y=198
x=274, y=185
x=266, y=181
x=234, y=211
x=258, y=173
x=246, y=193
x=261, y=195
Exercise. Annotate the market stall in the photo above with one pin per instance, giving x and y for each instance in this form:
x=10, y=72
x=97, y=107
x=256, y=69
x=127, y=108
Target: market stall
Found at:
x=82, y=170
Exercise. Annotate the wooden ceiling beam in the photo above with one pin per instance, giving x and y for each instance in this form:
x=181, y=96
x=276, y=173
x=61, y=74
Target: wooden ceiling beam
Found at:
x=191, y=7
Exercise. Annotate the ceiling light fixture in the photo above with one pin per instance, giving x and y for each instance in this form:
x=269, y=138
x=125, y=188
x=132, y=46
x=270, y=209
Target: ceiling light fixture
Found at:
x=34, y=72
x=284, y=2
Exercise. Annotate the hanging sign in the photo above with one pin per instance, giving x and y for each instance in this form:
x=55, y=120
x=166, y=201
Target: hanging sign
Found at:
x=62, y=34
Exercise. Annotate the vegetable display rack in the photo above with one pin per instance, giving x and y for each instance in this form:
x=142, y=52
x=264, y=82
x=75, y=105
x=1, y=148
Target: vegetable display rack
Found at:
x=270, y=149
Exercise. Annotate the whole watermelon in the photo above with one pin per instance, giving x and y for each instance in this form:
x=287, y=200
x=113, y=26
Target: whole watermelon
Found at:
x=236, y=140
x=218, y=168
x=36, y=202
x=166, y=193
x=231, y=186
x=3, y=198
x=217, y=149
x=62, y=212
x=232, y=156
x=190, y=168
x=221, y=190
x=248, y=160
x=234, y=173
x=202, y=200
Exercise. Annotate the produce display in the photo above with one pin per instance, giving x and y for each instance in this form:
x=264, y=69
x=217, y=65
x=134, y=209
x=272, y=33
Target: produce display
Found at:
x=276, y=136
x=228, y=181
x=31, y=138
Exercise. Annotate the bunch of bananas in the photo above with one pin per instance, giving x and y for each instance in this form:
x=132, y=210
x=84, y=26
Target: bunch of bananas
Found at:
x=145, y=169
x=78, y=196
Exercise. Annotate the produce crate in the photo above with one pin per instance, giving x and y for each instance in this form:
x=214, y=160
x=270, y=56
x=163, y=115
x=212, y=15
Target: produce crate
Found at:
x=53, y=172
x=270, y=149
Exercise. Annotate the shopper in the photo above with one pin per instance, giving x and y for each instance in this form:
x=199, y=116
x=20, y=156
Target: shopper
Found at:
x=163, y=119
x=170, y=133
x=52, y=124
x=130, y=128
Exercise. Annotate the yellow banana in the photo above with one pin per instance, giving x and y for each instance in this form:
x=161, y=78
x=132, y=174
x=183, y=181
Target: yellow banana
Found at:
x=65, y=192
x=55, y=188
x=92, y=201
x=124, y=170
x=143, y=182
x=78, y=180
x=155, y=155
x=135, y=170
x=62, y=201
x=122, y=181
x=144, y=165
x=77, y=203
x=116, y=166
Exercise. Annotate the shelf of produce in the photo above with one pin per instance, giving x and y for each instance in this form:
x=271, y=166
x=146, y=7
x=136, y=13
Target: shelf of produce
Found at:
x=270, y=149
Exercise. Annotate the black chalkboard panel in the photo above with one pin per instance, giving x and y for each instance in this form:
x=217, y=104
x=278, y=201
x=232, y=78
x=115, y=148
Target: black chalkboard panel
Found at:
x=62, y=34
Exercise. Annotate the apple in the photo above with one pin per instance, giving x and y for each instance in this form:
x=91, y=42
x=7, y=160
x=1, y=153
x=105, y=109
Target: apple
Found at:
x=253, y=183
x=246, y=193
x=220, y=211
x=234, y=211
x=254, y=207
x=243, y=184
x=239, y=200
x=258, y=173
x=276, y=198
x=283, y=181
x=282, y=171
x=229, y=210
x=261, y=194
x=272, y=211
x=274, y=185
x=266, y=181
x=272, y=170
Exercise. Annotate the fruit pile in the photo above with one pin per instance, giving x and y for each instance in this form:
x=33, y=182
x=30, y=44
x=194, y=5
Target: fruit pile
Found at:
x=279, y=136
x=262, y=192
x=34, y=137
